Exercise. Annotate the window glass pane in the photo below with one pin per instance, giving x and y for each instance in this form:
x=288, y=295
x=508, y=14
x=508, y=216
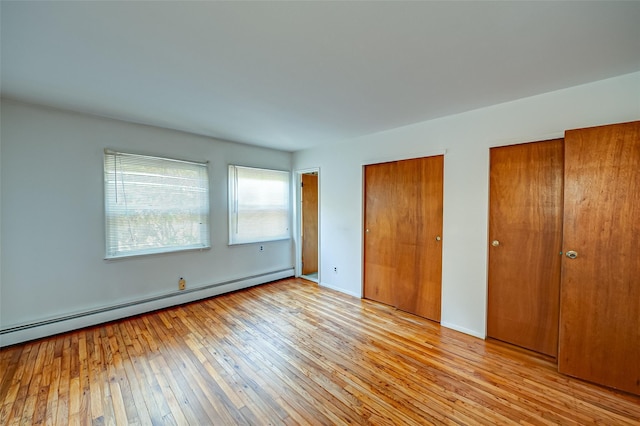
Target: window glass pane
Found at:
x=258, y=205
x=154, y=205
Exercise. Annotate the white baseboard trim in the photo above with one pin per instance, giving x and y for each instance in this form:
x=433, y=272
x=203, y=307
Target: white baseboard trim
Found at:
x=463, y=330
x=341, y=290
x=36, y=330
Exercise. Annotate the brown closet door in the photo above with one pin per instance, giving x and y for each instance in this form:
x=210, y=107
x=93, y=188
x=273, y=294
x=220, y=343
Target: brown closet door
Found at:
x=600, y=293
x=309, y=224
x=418, y=236
x=525, y=240
x=403, y=225
x=380, y=232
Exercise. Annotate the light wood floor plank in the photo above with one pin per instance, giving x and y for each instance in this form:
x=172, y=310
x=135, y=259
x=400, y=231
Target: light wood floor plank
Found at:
x=289, y=353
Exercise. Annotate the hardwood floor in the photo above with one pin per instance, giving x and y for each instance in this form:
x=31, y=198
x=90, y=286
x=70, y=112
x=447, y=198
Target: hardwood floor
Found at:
x=290, y=353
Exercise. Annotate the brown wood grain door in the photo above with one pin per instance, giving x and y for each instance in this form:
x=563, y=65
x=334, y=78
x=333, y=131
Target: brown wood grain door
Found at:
x=309, y=223
x=418, y=236
x=403, y=228
x=380, y=229
x=600, y=293
x=525, y=240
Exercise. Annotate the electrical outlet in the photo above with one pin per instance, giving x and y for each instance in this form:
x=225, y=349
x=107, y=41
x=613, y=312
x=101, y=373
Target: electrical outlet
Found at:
x=182, y=284
x=335, y=269
x=261, y=248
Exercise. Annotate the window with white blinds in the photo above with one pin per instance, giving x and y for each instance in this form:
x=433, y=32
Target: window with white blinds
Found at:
x=258, y=205
x=154, y=205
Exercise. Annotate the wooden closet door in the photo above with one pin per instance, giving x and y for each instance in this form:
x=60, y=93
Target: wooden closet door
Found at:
x=309, y=223
x=418, y=242
x=600, y=292
x=380, y=232
x=402, y=243
x=525, y=240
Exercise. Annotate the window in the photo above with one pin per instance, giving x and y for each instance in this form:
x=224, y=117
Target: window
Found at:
x=154, y=205
x=258, y=205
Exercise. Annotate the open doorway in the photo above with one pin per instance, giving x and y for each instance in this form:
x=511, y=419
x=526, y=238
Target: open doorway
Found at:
x=309, y=225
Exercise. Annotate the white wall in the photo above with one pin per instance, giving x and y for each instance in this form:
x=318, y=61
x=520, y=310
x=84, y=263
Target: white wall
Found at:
x=52, y=229
x=466, y=138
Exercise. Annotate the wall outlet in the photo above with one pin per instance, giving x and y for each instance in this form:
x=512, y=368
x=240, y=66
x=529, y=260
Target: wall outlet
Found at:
x=261, y=248
x=182, y=284
x=335, y=269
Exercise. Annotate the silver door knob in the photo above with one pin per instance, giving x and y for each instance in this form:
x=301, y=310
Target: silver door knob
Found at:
x=571, y=254
x=438, y=238
x=495, y=243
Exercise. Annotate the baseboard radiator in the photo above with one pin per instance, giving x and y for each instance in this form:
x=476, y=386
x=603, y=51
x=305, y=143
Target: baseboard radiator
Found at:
x=35, y=330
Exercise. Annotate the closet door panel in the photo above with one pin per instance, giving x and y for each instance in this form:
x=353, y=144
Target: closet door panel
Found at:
x=600, y=292
x=419, y=230
x=525, y=240
x=379, y=235
x=402, y=237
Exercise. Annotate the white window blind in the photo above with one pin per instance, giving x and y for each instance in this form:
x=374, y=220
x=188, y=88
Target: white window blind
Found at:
x=154, y=205
x=258, y=205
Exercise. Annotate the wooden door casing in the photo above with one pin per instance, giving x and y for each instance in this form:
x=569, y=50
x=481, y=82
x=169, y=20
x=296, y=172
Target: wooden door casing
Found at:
x=525, y=219
x=403, y=228
x=309, y=234
x=600, y=292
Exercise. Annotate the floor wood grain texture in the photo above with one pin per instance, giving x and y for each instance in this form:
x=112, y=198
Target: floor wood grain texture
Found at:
x=290, y=352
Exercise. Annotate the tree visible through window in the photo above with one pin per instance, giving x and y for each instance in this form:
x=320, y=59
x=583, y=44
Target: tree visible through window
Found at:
x=154, y=205
x=258, y=205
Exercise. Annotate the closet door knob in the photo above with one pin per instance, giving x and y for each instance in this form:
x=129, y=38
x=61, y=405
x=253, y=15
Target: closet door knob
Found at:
x=495, y=243
x=572, y=254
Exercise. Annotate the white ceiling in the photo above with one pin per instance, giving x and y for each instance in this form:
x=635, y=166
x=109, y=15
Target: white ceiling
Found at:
x=291, y=75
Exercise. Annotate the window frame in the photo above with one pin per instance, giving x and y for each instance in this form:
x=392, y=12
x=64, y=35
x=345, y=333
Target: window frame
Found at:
x=232, y=206
x=204, y=242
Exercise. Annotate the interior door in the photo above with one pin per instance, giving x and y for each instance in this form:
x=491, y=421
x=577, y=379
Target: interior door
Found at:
x=418, y=236
x=309, y=234
x=403, y=228
x=525, y=236
x=600, y=292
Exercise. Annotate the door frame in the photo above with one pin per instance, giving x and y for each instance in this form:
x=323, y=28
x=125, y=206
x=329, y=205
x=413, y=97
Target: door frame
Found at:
x=297, y=210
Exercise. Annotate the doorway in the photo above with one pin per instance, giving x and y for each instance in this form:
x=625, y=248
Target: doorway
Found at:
x=309, y=224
